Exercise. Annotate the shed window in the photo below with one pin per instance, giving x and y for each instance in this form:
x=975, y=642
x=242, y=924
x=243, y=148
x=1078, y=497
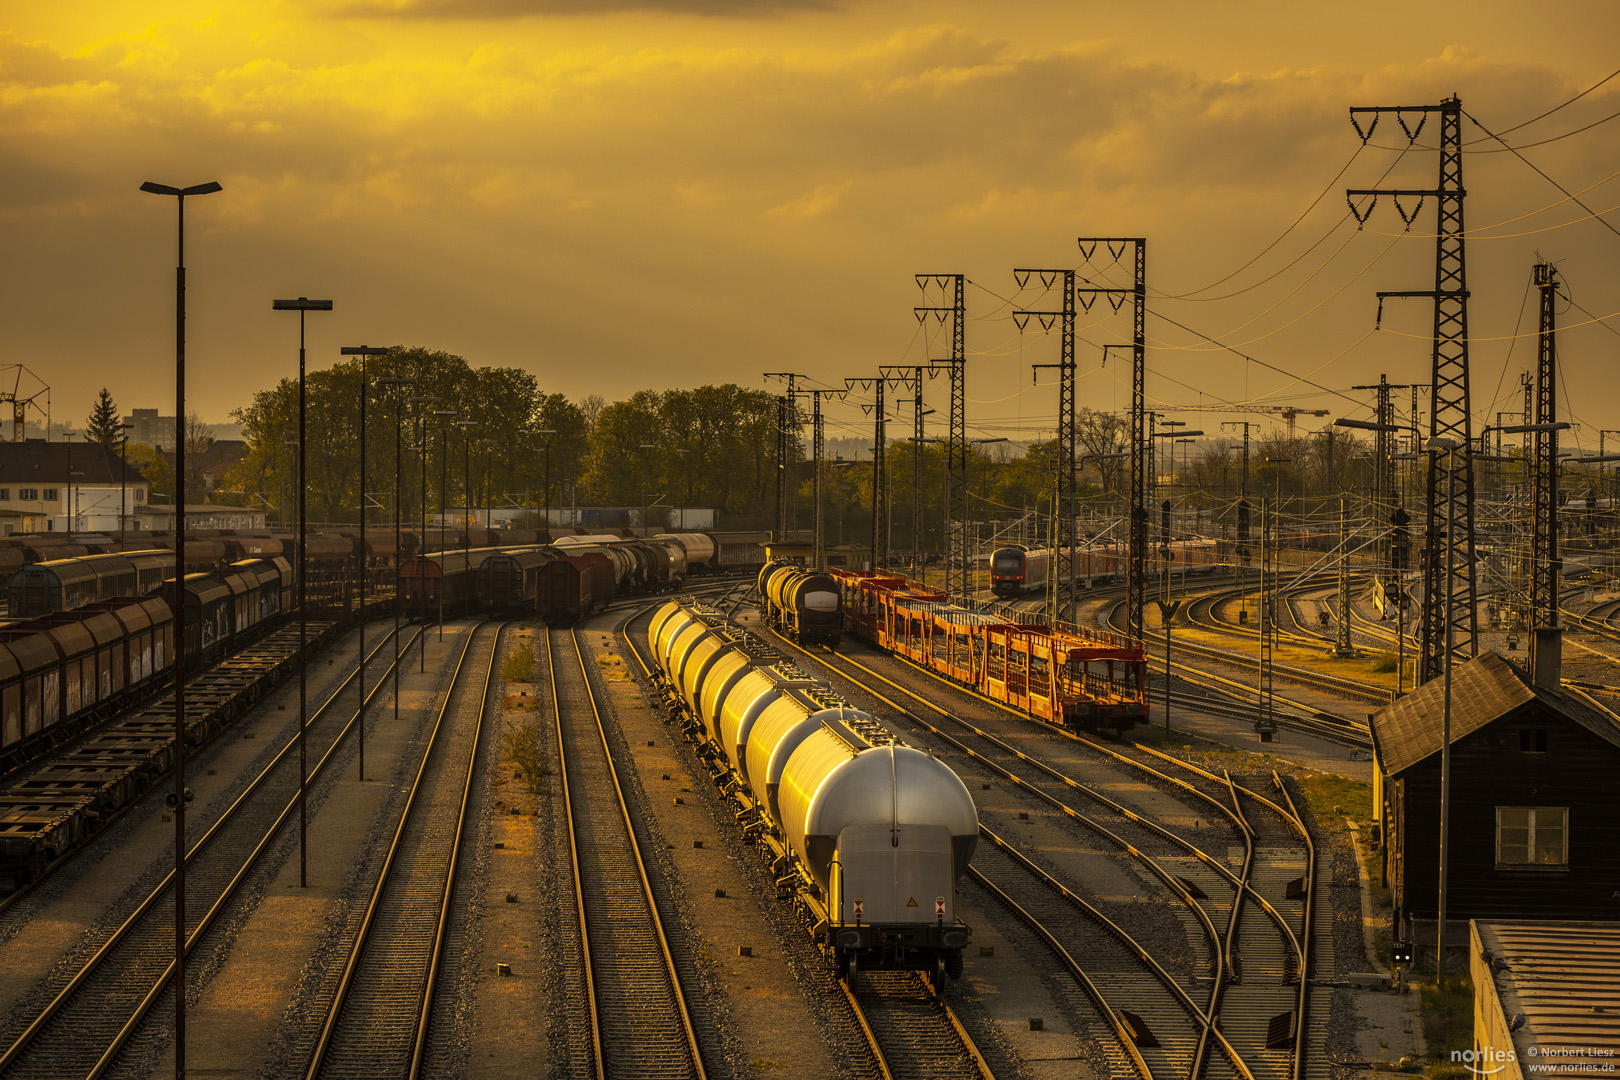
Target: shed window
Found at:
x=1533, y=740
x=1532, y=836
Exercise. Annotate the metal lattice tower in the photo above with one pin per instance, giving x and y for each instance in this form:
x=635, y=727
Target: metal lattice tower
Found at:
x=1268, y=619
x=1544, y=462
x=781, y=468
x=1384, y=498
x=1342, y=645
x=787, y=448
x=1136, y=557
x=1065, y=506
x=918, y=437
x=818, y=448
x=912, y=379
x=880, y=468
x=956, y=547
x=1447, y=605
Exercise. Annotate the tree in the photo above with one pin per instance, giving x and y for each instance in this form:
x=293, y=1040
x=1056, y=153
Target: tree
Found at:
x=154, y=467
x=104, y=425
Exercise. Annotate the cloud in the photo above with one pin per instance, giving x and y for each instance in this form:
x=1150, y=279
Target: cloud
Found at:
x=674, y=213
x=517, y=9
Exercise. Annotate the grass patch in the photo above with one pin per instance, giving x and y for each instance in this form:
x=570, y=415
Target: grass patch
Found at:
x=520, y=745
x=1334, y=798
x=760, y=1065
x=1448, y=1020
x=519, y=666
x=1385, y=662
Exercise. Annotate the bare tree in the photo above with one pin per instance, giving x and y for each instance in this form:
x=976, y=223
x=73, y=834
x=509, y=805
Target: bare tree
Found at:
x=592, y=407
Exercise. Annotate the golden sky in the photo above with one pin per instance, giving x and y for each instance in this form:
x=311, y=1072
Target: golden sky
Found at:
x=618, y=194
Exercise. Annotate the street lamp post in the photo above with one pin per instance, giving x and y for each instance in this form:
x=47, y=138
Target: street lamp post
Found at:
x=444, y=416
x=645, y=446
x=180, y=794
x=400, y=382
x=549, y=433
x=67, y=436
x=466, y=480
x=363, y=351
x=123, y=487
x=420, y=449
x=300, y=305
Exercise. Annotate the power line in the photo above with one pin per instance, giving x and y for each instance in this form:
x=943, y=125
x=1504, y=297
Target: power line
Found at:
x=1543, y=175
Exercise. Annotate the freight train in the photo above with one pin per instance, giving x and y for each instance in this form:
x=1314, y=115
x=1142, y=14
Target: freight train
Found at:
x=568, y=579
x=870, y=835
x=1016, y=570
x=1065, y=676
x=802, y=604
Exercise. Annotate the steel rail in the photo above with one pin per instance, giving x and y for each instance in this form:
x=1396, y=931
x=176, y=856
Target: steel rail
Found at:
x=671, y=972
x=872, y=1040
x=352, y=962
x=108, y=727
x=1297, y=944
x=1169, y=880
x=91, y=965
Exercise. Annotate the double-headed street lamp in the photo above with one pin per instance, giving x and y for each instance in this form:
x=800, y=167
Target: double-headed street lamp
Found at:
x=396, y=382
x=363, y=351
x=300, y=305
x=180, y=794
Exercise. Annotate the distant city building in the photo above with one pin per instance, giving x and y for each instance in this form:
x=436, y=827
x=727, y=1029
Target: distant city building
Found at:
x=43, y=483
x=150, y=428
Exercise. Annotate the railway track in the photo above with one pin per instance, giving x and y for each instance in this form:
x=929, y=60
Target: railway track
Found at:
x=908, y=1028
x=378, y=1021
x=628, y=1013
x=108, y=1005
x=912, y=1033
x=1160, y=1027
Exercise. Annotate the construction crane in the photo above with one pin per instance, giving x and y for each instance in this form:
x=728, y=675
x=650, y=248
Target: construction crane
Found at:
x=1287, y=412
x=19, y=404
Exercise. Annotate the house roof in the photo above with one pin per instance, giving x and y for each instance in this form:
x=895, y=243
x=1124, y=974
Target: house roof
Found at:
x=36, y=461
x=1483, y=690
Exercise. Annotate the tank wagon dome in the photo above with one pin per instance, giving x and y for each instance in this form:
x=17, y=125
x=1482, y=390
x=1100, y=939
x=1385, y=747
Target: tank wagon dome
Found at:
x=816, y=766
x=898, y=789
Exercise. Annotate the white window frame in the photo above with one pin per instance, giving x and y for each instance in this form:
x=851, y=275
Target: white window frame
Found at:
x=1530, y=843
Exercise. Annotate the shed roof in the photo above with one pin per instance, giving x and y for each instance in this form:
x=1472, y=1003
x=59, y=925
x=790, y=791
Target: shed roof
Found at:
x=1564, y=979
x=1483, y=690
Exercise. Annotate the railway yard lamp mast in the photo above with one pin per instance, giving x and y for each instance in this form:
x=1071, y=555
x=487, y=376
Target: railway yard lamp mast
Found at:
x=363, y=351
x=549, y=433
x=421, y=461
x=396, y=382
x=180, y=613
x=466, y=480
x=445, y=416
x=123, y=487
x=300, y=305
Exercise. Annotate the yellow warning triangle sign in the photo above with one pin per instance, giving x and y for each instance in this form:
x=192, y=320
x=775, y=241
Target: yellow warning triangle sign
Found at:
x=912, y=902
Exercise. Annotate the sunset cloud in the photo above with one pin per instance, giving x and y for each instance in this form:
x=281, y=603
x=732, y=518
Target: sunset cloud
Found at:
x=512, y=194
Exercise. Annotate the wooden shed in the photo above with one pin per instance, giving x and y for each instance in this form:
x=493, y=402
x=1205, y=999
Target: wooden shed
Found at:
x=1535, y=809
